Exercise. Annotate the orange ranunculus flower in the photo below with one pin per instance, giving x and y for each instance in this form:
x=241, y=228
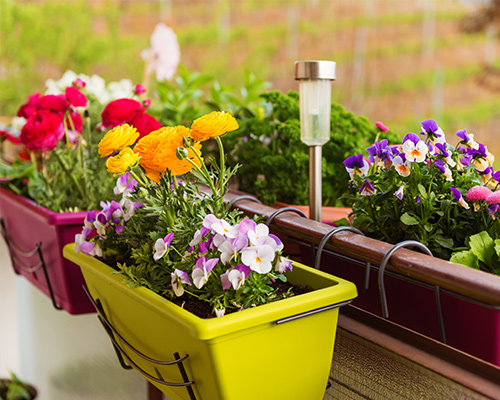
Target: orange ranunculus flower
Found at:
x=117, y=138
x=158, y=152
x=212, y=125
x=120, y=163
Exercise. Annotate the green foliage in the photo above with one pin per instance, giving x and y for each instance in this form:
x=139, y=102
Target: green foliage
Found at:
x=274, y=161
x=483, y=253
x=14, y=389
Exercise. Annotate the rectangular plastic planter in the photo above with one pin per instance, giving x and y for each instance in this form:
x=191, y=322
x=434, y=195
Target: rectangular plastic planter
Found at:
x=35, y=237
x=281, y=350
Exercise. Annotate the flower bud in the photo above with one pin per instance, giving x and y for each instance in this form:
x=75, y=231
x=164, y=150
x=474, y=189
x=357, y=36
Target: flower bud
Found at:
x=146, y=103
x=187, y=141
x=139, y=89
x=79, y=84
x=181, y=153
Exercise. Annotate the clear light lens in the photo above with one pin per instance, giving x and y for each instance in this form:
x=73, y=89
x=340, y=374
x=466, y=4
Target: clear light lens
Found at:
x=315, y=104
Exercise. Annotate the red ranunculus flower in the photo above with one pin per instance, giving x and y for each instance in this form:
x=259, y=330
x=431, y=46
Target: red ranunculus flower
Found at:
x=42, y=131
x=120, y=111
x=29, y=108
x=75, y=97
x=145, y=124
x=4, y=135
x=53, y=102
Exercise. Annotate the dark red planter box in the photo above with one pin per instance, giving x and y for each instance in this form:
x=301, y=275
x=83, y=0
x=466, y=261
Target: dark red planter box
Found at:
x=27, y=224
x=472, y=328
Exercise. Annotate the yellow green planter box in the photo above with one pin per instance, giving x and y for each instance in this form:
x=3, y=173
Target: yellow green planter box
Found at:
x=281, y=350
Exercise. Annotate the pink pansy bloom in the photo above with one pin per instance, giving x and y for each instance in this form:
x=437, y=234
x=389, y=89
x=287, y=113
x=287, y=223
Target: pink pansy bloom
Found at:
x=259, y=235
x=477, y=193
x=139, y=89
x=283, y=265
x=179, y=278
x=162, y=245
x=493, y=198
x=258, y=258
x=202, y=269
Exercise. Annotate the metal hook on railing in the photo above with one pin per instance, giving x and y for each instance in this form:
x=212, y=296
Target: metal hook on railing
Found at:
x=111, y=331
x=234, y=200
x=327, y=237
x=281, y=211
x=381, y=284
x=15, y=250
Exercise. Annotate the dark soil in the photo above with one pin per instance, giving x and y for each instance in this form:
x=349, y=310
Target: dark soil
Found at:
x=204, y=310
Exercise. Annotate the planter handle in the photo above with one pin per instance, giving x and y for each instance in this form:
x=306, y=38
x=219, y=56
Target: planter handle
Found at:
x=381, y=284
x=15, y=250
x=111, y=331
x=312, y=312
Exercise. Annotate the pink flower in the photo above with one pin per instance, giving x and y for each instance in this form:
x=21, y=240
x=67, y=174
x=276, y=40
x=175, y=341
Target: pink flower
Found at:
x=42, y=131
x=493, y=198
x=53, y=102
x=146, y=103
x=79, y=84
x=120, y=111
x=381, y=126
x=477, y=193
x=145, y=124
x=75, y=97
x=29, y=108
x=139, y=89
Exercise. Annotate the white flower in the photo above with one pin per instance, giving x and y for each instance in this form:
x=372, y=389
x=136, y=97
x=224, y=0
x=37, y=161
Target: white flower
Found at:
x=415, y=152
x=223, y=228
x=236, y=278
x=164, y=54
x=200, y=277
x=259, y=235
x=258, y=258
x=219, y=312
x=227, y=251
x=403, y=168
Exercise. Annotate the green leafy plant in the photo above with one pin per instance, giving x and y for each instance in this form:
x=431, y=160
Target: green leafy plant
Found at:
x=15, y=389
x=275, y=162
x=171, y=230
x=483, y=253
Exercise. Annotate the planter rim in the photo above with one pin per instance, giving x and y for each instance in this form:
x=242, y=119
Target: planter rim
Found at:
x=52, y=218
x=475, y=284
x=205, y=329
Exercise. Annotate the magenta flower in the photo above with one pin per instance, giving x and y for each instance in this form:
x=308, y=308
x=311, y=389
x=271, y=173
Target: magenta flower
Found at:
x=477, y=193
x=493, y=198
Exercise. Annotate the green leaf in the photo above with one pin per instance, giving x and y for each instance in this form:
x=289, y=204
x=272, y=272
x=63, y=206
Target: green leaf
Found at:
x=467, y=258
x=446, y=242
x=407, y=219
x=483, y=246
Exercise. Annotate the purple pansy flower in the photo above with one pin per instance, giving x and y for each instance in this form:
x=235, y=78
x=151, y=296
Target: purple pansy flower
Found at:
x=367, y=189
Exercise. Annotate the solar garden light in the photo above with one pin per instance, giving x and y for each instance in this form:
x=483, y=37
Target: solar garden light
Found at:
x=315, y=102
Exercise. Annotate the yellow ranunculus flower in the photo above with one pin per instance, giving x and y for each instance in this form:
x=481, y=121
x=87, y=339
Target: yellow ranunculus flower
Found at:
x=120, y=163
x=215, y=124
x=117, y=138
x=158, y=152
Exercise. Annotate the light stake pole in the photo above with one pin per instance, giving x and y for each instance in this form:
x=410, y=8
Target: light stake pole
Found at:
x=315, y=108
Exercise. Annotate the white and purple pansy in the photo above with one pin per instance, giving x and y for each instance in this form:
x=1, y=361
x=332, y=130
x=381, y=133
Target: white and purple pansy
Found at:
x=162, y=245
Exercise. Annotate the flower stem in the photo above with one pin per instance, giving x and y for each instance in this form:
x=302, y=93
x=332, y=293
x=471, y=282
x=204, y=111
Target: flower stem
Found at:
x=69, y=174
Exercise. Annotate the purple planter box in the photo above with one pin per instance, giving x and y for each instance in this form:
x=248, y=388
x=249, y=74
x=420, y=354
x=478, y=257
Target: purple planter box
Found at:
x=25, y=226
x=472, y=328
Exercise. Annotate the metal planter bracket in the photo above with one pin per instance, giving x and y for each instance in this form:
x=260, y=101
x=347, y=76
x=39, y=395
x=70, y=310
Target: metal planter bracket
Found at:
x=381, y=284
x=327, y=237
x=234, y=200
x=15, y=251
x=111, y=331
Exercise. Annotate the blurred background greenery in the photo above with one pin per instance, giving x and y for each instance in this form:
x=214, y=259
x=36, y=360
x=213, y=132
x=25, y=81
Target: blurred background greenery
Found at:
x=398, y=61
